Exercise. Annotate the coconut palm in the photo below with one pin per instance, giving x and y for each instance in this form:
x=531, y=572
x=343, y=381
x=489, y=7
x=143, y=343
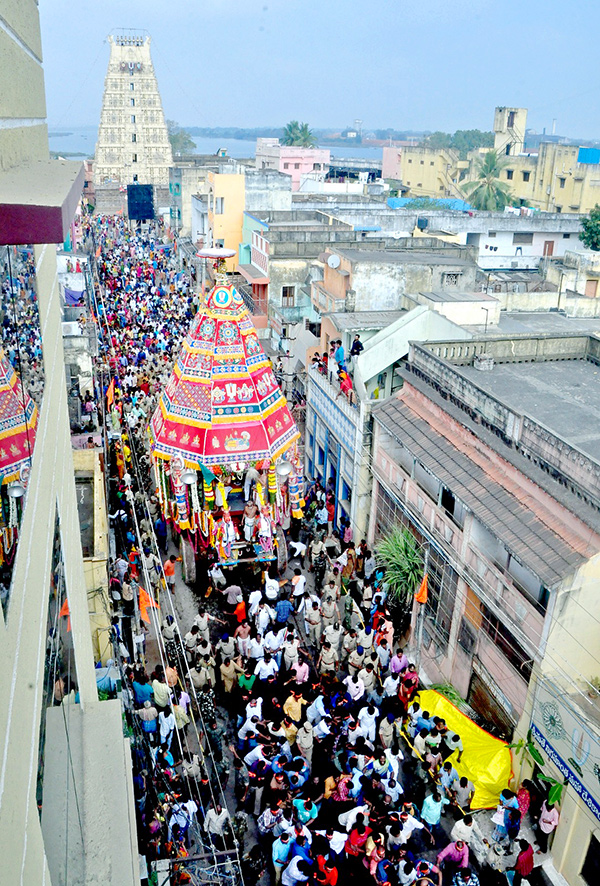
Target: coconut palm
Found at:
x=399, y=552
x=486, y=191
x=298, y=135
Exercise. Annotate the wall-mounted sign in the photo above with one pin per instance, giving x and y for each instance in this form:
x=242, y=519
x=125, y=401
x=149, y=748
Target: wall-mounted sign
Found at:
x=568, y=741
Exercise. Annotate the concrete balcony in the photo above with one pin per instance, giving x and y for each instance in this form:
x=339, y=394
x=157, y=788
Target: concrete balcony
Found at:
x=330, y=387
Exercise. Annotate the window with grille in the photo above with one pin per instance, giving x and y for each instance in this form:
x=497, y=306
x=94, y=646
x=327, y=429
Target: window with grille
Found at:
x=452, y=279
x=388, y=514
x=288, y=296
x=506, y=643
x=442, y=583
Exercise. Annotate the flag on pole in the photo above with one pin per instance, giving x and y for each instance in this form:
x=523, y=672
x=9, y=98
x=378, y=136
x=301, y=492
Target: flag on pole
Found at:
x=421, y=595
x=145, y=602
x=64, y=610
x=110, y=395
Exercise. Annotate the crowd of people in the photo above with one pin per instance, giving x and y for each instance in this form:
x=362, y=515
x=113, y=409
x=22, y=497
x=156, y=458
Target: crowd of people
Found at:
x=282, y=726
x=21, y=337
x=311, y=704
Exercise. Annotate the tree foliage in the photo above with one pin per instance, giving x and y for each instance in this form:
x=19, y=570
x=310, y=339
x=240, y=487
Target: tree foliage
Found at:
x=590, y=234
x=298, y=135
x=181, y=141
x=463, y=140
x=399, y=553
x=486, y=191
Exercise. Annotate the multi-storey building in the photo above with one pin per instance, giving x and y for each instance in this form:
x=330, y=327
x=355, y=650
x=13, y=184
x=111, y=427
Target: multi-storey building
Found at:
x=292, y=160
x=554, y=177
x=496, y=473
x=66, y=794
x=488, y=455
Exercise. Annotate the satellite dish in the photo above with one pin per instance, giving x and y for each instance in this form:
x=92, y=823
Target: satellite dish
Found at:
x=334, y=261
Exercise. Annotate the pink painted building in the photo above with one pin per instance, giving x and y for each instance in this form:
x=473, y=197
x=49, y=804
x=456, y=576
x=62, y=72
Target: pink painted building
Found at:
x=505, y=518
x=391, y=164
x=293, y=161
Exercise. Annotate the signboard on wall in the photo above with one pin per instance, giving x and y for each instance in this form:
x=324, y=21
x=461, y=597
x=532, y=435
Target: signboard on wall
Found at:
x=569, y=742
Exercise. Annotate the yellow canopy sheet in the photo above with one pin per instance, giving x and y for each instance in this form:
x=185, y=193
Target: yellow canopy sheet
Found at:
x=486, y=760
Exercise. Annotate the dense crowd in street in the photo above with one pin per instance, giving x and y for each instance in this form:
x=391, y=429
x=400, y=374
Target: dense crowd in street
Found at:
x=283, y=724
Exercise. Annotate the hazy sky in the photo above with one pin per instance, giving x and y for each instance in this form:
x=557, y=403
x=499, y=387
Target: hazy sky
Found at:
x=427, y=64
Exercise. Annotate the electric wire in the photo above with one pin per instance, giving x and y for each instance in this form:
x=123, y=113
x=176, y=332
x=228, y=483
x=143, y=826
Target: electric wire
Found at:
x=127, y=432
x=524, y=637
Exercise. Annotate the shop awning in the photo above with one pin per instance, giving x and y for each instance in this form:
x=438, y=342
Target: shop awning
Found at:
x=252, y=274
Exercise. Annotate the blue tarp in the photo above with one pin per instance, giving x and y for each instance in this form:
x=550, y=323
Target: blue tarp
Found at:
x=452, y=203
x=589, y=155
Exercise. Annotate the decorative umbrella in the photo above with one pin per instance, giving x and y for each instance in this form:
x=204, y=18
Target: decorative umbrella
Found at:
x=18, y=423
x=222, y=404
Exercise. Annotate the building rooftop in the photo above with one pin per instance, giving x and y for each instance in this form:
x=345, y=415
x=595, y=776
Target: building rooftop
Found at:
x=448, y=295
x=354, y=321
x=405, y=256
x=546, y=321
x=563, y=395
x=477, y=480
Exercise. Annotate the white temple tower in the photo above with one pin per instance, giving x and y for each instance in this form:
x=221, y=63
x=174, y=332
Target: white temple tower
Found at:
x=133, y=143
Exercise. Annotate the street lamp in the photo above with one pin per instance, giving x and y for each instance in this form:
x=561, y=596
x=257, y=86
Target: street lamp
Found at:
x=487, y=312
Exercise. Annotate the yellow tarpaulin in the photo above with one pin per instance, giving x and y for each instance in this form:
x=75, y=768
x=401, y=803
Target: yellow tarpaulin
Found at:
x=486, y=760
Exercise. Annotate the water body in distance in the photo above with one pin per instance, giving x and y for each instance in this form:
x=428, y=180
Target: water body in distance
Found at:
x=81, y=141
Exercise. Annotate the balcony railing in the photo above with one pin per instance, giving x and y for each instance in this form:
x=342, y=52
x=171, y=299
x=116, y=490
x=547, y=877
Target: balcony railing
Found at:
x=328, y=381
x=256, y=306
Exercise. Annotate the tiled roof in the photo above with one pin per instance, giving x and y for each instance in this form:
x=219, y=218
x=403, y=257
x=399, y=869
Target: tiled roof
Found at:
x=475, y=477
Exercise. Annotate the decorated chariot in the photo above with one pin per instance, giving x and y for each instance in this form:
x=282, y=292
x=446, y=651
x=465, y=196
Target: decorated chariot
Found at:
x=224, y=443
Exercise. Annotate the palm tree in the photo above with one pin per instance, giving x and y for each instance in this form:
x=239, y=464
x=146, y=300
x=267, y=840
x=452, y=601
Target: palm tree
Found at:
x=487, y=192
x=298, y=135
x=399, y=553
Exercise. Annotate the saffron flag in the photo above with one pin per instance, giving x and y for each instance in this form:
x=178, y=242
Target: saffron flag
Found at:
x=110, y=395
x=64, y=610
x=145, y=602
x=421, y=595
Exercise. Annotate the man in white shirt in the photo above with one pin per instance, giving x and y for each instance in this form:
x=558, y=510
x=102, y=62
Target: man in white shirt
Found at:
x=254, y=602
x=354, y=687
x=390, y=685
x=274, y=643
x=409, y=824
x=367, y=717
x=264, y=616
x=266, y=667
x=215, y=823
x=297, y=871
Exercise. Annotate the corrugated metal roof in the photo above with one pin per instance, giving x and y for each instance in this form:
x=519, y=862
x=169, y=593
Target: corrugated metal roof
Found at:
x=534, y=542
x=355, y=321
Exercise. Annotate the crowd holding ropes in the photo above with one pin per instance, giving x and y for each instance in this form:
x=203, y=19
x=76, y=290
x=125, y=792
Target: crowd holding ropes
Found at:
x=350, y=804
x=143, y=307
